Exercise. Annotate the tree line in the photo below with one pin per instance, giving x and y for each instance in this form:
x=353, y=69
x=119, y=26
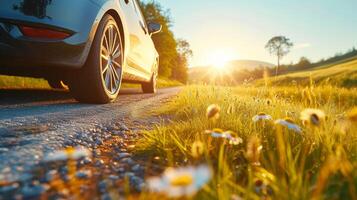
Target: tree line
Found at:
x=237, y=76
x=174, y=53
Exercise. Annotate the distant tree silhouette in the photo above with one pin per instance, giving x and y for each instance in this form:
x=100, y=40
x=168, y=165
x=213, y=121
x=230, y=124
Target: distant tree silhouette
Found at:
x=302, y=64
x=180, y=72
x=279, y=46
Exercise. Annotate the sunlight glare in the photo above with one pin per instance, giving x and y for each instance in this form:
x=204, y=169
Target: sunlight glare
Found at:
x=219, y=59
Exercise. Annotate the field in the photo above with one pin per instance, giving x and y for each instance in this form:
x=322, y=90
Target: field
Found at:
x=236, y=133
x=342, y=74
x=12, y=82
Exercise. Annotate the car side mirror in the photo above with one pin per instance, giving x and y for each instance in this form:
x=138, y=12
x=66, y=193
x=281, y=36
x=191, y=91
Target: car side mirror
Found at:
x=154, y=27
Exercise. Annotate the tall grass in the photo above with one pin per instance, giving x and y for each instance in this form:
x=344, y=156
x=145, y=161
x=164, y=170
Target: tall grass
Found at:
x=320, y=163
x=13, y=82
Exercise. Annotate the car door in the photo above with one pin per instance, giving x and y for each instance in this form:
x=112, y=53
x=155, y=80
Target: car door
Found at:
x=139, y=54
x=148, y=48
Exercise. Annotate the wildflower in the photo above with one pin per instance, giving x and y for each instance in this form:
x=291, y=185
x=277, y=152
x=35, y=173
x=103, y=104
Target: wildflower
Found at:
x=313, y=116
x=262, y=117
x=68, y=153
x=235, y=140
x=197, y=149
x=229, y=135
x=269, y=102
x=217, y=133
x=213, y=111
x=289, y=124
x=254, y=148
x=185, y=181
x=352, y=115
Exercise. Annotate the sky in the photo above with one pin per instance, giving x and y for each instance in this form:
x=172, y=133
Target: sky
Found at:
x=239, y=29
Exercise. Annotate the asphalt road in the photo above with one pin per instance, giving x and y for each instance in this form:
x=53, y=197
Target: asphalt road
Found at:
x=34, y=123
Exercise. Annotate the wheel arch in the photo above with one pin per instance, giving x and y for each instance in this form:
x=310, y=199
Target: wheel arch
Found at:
x=113, y=9
x=119, y=22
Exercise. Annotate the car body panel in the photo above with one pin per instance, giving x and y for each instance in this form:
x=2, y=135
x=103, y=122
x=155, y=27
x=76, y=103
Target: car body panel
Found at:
x=81, y=19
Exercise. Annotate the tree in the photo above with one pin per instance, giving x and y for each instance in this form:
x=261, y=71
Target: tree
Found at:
x=180, y=72
x=164, y=41
x=303, y=63
x=279, y=46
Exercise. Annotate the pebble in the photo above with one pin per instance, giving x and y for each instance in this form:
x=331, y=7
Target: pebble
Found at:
x=137, y=183
x=50, y=175
x=114, y=177
x=137, y=168
x=102, y=186
x=83, y=174
x=124, y=155
x=123, y=127
x=106, y=197
x=33, y=191
x=9, y=188
x=120, y=134
x=99, y=163
x=86, y=161
x=128, y=161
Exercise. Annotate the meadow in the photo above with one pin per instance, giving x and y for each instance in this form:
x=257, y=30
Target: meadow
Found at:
x=257, y=142
x=339, y=74
x=13, y=82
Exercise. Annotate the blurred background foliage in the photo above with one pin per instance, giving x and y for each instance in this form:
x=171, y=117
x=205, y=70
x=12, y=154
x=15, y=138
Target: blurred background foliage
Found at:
x=174, y=53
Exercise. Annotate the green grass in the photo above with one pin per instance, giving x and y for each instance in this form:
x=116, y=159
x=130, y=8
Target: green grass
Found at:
x=320, y=163
x=13, y=82
x=343, y=74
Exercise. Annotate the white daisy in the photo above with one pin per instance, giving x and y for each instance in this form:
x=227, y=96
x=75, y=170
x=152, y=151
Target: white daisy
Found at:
x=229, y=135
x=262, y=117
x=68, y=153
x=289, y=124
x=179, y=182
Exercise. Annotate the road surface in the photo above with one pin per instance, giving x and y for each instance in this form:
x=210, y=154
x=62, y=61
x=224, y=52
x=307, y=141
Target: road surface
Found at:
x=34, y=123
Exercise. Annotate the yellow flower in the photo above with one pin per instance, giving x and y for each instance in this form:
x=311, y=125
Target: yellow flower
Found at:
x=183, y=180
x=314, y=117
x=213, y=111
x=180, y=182
x=197, y=149
x=254, y=148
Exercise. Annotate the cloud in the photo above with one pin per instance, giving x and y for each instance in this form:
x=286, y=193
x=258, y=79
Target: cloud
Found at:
x=302, y=45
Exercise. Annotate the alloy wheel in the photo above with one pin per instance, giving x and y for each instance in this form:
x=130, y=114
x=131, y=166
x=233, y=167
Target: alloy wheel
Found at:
x=111, y=58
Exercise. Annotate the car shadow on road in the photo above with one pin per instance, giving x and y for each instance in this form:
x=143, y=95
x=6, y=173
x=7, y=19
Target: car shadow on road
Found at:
x=24, y=96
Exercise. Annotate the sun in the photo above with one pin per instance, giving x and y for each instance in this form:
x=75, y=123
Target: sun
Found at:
x=219, y=59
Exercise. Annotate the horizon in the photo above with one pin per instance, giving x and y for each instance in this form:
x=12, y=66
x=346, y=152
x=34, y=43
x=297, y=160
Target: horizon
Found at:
x=317, y=33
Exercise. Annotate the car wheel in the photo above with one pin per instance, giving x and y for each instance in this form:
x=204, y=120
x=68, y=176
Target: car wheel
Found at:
x=57, y=84
x=150, y=87
x=100, y=79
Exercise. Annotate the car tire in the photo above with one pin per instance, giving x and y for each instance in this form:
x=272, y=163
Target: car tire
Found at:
x=150, y=87
x=100, y=79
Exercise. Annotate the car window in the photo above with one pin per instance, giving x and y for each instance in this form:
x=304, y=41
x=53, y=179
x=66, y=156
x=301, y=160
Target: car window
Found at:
x=139, y=13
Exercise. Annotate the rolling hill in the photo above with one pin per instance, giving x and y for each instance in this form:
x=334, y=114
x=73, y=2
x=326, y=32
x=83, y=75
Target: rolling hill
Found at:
x=342, y=73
